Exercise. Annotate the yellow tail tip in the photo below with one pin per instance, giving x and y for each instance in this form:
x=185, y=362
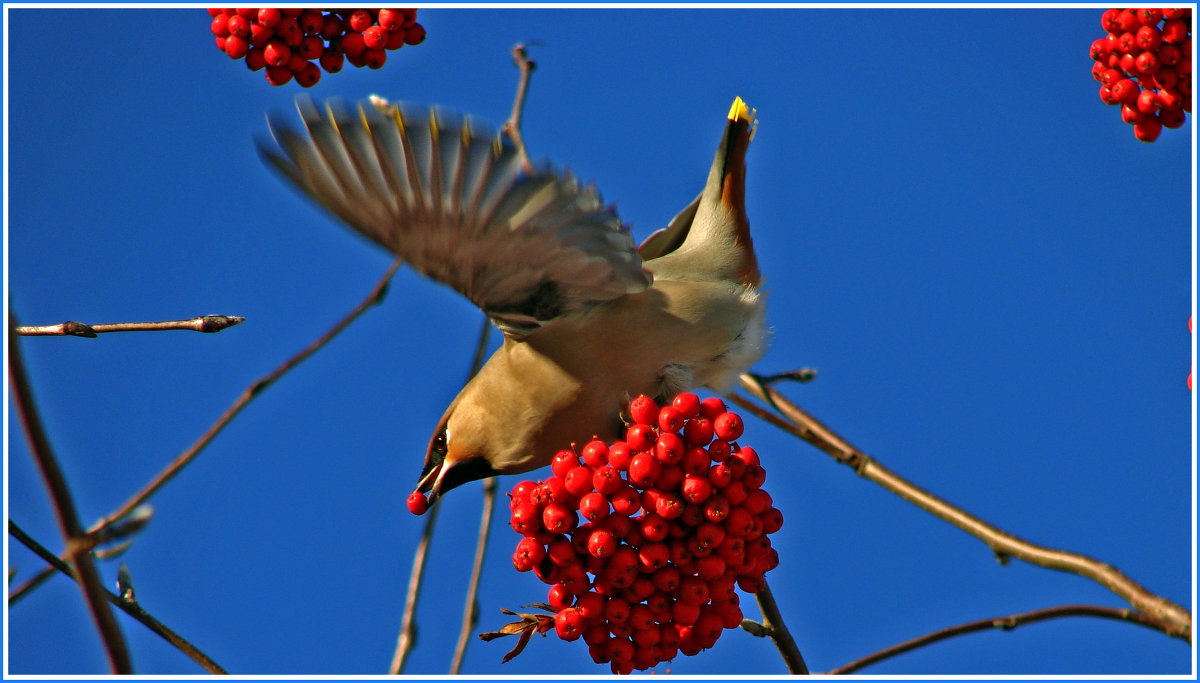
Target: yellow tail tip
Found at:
x=739, y=111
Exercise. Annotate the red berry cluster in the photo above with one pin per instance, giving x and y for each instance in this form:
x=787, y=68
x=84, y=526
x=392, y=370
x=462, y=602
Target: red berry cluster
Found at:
x=286, y=42
x=1144, y=65
x=644, y=540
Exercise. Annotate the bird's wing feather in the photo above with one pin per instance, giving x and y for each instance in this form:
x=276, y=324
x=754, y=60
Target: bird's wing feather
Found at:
x=454, y=202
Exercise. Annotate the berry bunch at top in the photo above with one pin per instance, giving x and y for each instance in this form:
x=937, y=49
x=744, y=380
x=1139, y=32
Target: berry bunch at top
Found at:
x=644, y=540
x=300, y=43
x=1144, y=65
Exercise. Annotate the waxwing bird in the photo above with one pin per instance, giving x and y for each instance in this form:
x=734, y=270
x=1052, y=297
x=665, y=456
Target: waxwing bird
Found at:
x=589, y=320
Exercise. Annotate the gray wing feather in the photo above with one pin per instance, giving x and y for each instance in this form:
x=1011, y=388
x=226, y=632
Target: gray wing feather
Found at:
x=453, y=200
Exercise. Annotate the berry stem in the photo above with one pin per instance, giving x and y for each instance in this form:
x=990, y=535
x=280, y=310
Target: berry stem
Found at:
x=777, y=631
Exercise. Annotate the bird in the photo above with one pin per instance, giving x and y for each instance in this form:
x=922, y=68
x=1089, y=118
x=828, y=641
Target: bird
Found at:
x=589, y=319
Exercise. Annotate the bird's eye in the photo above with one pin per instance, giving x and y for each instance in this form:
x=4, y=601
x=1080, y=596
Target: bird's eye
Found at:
x=439, y=442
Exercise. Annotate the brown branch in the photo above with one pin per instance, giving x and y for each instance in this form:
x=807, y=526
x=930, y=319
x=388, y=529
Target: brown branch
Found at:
x=204, y=323
x=512, y=127
x=773, y=627
x=78, y=549
x=128, y=606
x=1001, y=623
x=248, y=395
x=471, y=607
x=408, y=630
x=1171, y=618
x=407, y=639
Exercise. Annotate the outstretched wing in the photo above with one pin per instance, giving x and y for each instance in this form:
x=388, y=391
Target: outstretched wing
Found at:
x=453, y=201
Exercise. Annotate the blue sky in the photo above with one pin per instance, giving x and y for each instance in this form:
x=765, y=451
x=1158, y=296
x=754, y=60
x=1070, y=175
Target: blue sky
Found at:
x=991, y=275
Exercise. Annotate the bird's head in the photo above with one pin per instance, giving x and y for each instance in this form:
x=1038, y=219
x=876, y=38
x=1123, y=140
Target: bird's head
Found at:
x=453, y=457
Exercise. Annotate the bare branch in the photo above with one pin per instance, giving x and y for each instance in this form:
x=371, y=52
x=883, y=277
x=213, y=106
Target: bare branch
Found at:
x=248, y=395
x=204, y=323
x=1001, y=623
x=512, y=127
x=1172, y=619
x=128, y=606
x=78, y=547
x=774, y=628
x=471, y=607
x=408, y=631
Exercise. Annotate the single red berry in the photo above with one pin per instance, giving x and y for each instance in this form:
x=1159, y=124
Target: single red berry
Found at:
x=525, y=519
x=619, y=455
x=1149, y=16
x=735, y=493
x=236, y=47
x=528, y=554
x=1127, y=42
x=1131, y=114
x=1148, y=38
x=353, y=44
x=696, y=489
x=311, y=21
x=1170, y=55
x=578, y=481
x=772, y=520
x=757, y=502
x=568, y=623
x=601, y=543
x=414, y=35
x=716, y=508
x=695, y=460
x=644, y=469
x=1108, y=20
x=220, y=25
x=688, y=405
x=374, y=58
x=1165, y=78
x=719, y=450
x=276, y=53
x=375, y=36
x=669, y=448
x=1099, y=49
x=558, y=518
x=559, y=597
x=417, y=503
x=1106, y=95
x=395, y=40
x=391, y=19
x=296, y=63
x=246, y=12
x=606, y=480
x=269, y=16
x=654, y=528
x=710, y=567
x=751, y=583
x=1174, y=31
x=1107, y=78
x=728, y=426
x=238, y=26
x=331, y=26
x=640, y=437
x=359, y=20
x=595, y=453
x=1169, y=99
x=288, y=30
x=698, y=431
x=653, y=556
x=711, y=407
x=278, y=75
x=748, y=456
x=1098, y=69
x=255, y=60
x=259, y=35
x=1176, y=12
x=668, y=506
x=593, y=506
x=1172, y=118
x=1147, y=102
x=564, y=461
x=1128, y=63
x=312, y=47
x=626, y=501
x=643, y=410
x=1147, y=63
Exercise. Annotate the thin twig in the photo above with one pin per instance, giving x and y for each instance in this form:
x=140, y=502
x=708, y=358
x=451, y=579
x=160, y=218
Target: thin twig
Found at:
x=204, y=323
x=774, y=628
x=470, y=607
x=407, y=639
x=78, y=549
x=1001, y=623
x=129, y=607
x=248, y=395
x=512, y=127
x=1171, y=618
